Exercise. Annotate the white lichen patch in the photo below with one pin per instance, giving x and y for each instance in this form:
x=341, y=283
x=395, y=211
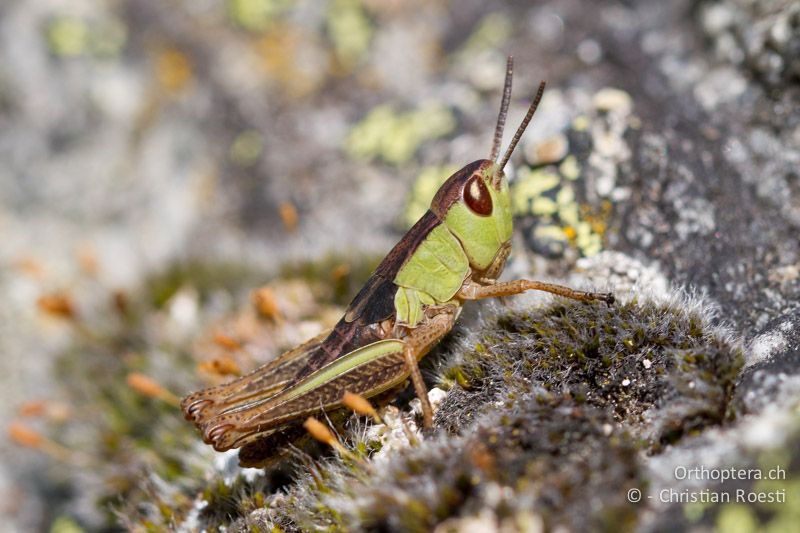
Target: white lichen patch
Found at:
x=784, y=274
x=624, y=275
x=394, y=434
x=721, y=448
x=765, y=346
x=546, y=151
x=722, y=85
x=695, y=218
x=400, y=428
x=486, y=522
x=226, y=464
x=613, y=108
x=610, y=99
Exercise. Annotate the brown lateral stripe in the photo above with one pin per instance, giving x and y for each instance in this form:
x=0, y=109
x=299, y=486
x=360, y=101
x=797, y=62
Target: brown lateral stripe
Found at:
x=375, y=301
x=450, y=191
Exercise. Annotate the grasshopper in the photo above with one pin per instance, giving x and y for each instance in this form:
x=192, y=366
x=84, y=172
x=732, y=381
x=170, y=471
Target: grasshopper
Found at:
x=453, y=254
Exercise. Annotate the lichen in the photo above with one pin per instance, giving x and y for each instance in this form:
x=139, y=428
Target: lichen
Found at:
x=563, y=195
x=395, y=136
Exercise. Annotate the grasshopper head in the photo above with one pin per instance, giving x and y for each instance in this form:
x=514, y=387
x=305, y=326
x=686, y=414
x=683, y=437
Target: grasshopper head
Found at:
x=474, y=203
x=475, y=206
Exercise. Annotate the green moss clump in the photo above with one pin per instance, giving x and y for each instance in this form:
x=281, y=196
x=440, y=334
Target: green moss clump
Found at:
x=202, y=276
x=747, y=504
x=653, y=367
x=129, y=362
x=342, y=274
x=548, y=413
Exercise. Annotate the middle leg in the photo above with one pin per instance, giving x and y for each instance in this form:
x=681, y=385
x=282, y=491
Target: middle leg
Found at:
x=418, y=343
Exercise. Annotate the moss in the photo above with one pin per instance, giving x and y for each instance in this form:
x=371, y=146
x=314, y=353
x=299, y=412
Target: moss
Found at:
x=203, y=276
x=781, y=461
x=550, y=456
x=341, y=274
x=547, y=411
x=146, y=464
x=564, y=403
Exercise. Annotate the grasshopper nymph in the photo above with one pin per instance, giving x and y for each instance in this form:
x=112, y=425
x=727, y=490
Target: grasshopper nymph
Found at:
x=453, y=254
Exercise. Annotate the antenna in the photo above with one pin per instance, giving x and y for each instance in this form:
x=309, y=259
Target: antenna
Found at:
x=521, y=129
x=501, y=118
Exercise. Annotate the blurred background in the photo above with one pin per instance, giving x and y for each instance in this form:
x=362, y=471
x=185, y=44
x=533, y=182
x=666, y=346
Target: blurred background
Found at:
x=188, y=185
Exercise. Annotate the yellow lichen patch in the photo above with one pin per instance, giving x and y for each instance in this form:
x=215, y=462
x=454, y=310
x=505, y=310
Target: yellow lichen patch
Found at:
x=550, y=199
x=173, y=70
x=568, y=211
x=396, y=136
x=246, y=148
x=580, y=123
x=569, y=214
x=293, y=59
x=543, y=205
x=586, y=240
x=595, y=225
x=350, y=30
x=69, y=36
x=257, y=15
x=491, y=32
x=425, y=186
x=565, y=196
x=597, y=219
x=529, y=185
x=570, y=168
x=550, y=232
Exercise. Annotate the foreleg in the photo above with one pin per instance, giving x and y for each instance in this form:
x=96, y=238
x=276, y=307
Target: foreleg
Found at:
x=474, y=291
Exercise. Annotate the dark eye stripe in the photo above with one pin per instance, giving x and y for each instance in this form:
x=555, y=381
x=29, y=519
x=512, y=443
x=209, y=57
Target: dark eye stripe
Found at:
x=477, y=196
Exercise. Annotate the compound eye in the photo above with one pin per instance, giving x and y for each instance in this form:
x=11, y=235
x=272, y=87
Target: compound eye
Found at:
x=477, y=196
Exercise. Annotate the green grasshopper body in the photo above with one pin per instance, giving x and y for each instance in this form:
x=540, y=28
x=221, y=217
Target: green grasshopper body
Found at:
x=453, y=254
